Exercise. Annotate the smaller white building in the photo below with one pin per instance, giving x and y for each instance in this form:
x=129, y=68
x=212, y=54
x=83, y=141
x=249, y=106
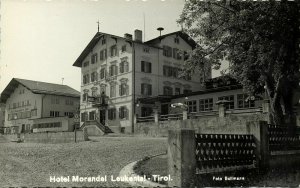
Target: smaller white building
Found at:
x=28, y=100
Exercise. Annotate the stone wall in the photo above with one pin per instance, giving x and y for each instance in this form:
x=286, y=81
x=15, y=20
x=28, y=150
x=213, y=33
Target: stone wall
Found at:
x=230, y=124
x=53, y=137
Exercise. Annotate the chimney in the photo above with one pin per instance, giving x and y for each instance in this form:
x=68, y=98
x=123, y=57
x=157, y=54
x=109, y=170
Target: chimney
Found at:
x=128, y=36
x=138, y=35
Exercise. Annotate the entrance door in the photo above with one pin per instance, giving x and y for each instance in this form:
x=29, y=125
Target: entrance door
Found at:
x=102, y=117
x=23, y=128
x=164, y=109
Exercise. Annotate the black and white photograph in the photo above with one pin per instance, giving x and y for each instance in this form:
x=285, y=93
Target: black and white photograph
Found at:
x=149, y=93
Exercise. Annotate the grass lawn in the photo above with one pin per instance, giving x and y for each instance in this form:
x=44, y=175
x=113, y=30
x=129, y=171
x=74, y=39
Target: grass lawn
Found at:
x=276, y=177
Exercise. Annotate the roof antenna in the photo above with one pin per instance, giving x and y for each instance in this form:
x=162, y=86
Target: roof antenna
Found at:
x=98, y=24
x=144, y=27
x=160, y=29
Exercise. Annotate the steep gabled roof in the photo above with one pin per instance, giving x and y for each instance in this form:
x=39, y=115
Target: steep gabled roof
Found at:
x=151, y=43
x=38, y=87
x=88, y=49
x=182, y=34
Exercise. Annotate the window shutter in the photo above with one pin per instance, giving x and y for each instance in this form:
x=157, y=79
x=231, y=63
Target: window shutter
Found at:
x=127, y=89
x=142, y=89
x=150, y=67
x=120, y=112
x=143, y=66
x=105, y=54
x=127, y=66
x=116, y=68
x=126, y=113
x=150, y=89
x=174, y=53
x=120, y=90
x=121, y=66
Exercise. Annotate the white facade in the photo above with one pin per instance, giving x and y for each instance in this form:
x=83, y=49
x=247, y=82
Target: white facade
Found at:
x=144, y=75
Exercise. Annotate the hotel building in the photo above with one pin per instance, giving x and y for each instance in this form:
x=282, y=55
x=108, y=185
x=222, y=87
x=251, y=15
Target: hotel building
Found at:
x=137, y=76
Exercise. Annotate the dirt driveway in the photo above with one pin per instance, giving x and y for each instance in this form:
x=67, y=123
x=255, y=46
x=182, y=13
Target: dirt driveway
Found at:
x=30, y=164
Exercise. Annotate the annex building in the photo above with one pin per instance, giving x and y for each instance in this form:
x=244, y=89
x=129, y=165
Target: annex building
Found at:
x=32, y=106
x=127, y=70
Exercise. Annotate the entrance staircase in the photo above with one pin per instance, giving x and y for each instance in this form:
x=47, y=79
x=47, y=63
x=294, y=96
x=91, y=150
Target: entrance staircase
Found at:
x=105, y=129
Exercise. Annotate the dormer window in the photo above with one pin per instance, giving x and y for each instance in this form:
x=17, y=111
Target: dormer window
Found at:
x=176, y=40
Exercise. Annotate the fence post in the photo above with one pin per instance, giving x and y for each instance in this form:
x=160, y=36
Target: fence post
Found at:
x=181, y=157
x=155, y=115
x=85, y=134
x=184, y=114
x=260, y=132
x=221, y=109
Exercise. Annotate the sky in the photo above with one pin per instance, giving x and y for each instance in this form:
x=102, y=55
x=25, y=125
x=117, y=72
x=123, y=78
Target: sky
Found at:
x=41, y=39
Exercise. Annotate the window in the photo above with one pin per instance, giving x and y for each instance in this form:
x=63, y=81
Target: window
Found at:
x=94, y=93
x=146, y=89
x=124, y=89
x=92, y=115
x=176, y=54
x=85, y=64
x=167, y=51
x=83, y=116
x=102, y=89
x=69, y=102
x=188, y=75
x=54, y=100
x=94, y=58
x=146, y=49
x=113, y=91
x=54, y=113
x=170, y=71
x=94, y=76
x=192, y=106
x=206, y=104
x=113, y=70
x=230, y=103
x=185, y=55
x=124, y=67
x=186, y=91
x=167, y=70
x=146, y=67
x=102, y=73
x=177, y=91
x=123, y=112
x=69, y=114
x=146, y=111
x=168, y=90
x=176, y=40
x=112, y=113
x=244, y=101
x=33, y=112
x=85, y=97
x=103, y=41
x=113, y=50
x=103, y=55
x=123, y=49
x=86, y=79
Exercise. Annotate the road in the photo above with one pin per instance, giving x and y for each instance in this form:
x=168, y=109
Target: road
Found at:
x=32, y=164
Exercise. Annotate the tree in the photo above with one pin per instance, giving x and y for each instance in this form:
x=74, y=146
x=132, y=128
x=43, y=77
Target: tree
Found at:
x=259, y=39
